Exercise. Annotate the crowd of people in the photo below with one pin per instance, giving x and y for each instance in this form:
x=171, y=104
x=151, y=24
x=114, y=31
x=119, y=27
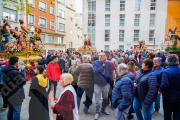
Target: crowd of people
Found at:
x=128, y=81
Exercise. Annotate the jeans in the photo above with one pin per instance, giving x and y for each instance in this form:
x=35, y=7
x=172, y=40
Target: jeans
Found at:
x=98, y=90
x=14, y=112
x=146, y=110
x=55, y=85
x=89, y=95
x=157, y=104
x=169, y=108
x=122, y=115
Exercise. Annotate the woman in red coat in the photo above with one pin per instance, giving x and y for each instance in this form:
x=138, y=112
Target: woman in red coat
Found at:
x=66, y=106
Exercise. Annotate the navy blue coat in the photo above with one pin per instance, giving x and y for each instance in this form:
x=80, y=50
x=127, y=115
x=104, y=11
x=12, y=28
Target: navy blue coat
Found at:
x=100, y=72
x=123, y=92
x=147, y=86
x=170, y=83
x=14, y=81
x=158, y=73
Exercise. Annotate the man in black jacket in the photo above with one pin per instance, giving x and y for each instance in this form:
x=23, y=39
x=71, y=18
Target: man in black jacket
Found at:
x=13, y=81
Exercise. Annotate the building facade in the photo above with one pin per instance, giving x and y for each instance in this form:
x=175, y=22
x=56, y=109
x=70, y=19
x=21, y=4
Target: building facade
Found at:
x=119, y=24
x=10, y=11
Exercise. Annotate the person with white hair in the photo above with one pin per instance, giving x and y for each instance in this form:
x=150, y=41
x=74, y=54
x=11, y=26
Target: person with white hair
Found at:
x=123, y=92
x=126, y=59
x=66, y=106
x=170, y=88
x=85, y=82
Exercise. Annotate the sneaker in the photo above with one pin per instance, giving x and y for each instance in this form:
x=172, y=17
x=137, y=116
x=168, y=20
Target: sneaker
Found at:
x=48, y=97
x=55, y=99
x=156, y=112
x=96, y=117
x=105, y=112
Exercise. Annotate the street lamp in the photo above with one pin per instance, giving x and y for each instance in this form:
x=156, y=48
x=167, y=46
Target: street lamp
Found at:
x=154, y=41
x=32, y=29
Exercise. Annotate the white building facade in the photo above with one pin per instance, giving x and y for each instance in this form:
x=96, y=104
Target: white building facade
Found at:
x=119, y=24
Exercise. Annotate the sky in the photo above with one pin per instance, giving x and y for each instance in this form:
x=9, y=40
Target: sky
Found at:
x=78, y=6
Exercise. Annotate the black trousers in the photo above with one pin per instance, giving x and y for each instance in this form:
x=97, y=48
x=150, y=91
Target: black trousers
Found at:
x=75, y=88
x=5, y=104
x=110, y=92
x=171, y=108
x=51, y=82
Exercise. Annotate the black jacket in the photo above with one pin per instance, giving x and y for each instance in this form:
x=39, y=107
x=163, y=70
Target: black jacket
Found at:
x=61, y=63
x=13, y=82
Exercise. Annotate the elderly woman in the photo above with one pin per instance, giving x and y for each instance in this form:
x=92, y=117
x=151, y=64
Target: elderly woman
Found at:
x=146, y=90
x=170, y=88
x=75, y=77
x=66, y=106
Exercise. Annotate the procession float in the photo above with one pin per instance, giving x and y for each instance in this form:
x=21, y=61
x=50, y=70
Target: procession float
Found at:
x=141, y=46
x=17, y=43
x=87, y=46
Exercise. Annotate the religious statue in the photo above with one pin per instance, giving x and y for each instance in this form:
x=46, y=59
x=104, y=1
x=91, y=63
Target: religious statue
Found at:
x=36, y=37
x=85, y=42
x=5, y=34
x=142, y=44
x=89, y=42
x=16, y=35
x=24, y=35
x=174, y=37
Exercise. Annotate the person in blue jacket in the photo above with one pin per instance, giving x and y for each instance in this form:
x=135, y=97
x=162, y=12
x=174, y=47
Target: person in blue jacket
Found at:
x=146, y=90
x=170, y=88
x=157, y=69
x=123, y=92
x=103, y=74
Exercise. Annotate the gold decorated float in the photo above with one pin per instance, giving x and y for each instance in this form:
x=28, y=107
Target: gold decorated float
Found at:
x=17, y=43
x=87, y=46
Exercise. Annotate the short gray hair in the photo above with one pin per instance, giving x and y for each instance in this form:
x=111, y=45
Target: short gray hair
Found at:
x=123, y=68
x=172, y=60
x=126, y=54
x=158, y=58
x=85, y=58
x=131, y=57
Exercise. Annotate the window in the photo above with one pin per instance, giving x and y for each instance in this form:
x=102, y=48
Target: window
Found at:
x=137, y=5
x=62, y=1
x=108, y=5
x=61, y=27
x=12, y=14
x=122, y=20
x=42, y=6
x=151, y=35
x=122, y=5
x=136, y=20
x=43, y=38
x=121, y=47
x=106, y=47
x=42, y=22
x=70, y=44
x=71, y=31
x=121, y=35
x=61, y=14
x=60, y=40
x=152, y=20
x=52, y=25
x=107, y=20
x=136, y=35
x=51, y=10
x=91, y=19
x=107, y=35
x=51, y=39
x=31, y=19
x=91, y=5
x=31, y=2
x=153, y=5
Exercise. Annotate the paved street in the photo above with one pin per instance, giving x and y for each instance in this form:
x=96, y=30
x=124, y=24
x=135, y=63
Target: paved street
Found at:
x=90, y=116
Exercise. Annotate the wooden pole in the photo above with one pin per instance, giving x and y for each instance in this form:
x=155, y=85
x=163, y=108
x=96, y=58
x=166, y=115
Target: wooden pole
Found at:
x=52, y=101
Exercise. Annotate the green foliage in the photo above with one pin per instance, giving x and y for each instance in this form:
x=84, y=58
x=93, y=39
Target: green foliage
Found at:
x=173, y=48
